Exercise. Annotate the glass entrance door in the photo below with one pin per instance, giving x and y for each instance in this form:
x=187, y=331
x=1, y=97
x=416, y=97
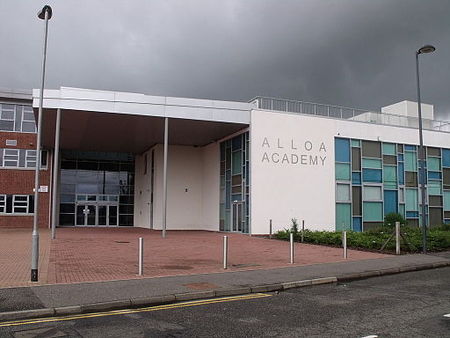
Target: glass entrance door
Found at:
x=107, y=215
x=237, y=215
x=86, y=215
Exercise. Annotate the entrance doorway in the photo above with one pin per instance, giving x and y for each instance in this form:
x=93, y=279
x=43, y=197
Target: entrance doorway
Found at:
x=237, y=216
x=97, y=210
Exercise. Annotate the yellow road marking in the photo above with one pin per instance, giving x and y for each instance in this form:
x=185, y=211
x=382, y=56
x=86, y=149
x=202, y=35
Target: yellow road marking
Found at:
x=128, y=311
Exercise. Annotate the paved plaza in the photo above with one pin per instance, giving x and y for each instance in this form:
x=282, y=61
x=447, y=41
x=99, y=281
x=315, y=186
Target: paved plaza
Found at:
x=105, y=254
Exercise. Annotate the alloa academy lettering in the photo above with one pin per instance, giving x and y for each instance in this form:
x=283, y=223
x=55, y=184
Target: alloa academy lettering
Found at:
x=305, y=153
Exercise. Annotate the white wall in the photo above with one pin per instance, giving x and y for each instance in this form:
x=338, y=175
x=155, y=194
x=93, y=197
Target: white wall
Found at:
x=192, y=190
x=410, y=108
x=281, y=191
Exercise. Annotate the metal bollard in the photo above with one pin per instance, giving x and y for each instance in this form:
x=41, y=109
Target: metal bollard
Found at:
x=303, y=229
x=225, y=252
x=397, y=238
x=291, y=237
x=141, y=256
x=270, y=229
x=344, y=243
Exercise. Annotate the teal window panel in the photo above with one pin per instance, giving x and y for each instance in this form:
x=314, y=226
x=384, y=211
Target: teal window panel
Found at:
x=356, y=143
x=372, y=193
x=410, y=161
x=434, y=175
x=401, y=173
x=373, y=211
x=357, y=224
x=389, y=149
x=371, y=163
x=236, y=165
x=434, y=163
x=401, y=210
x=342, y=150
x=342, y=171
x=447, y=200
x=412, y=200
x=434, y=188
x=343, y=192
x=390, y=201
x=372, y=175
x=446, y=157
x=390, y=177
x=412, y=214
x=356, y=178
x=343, y=216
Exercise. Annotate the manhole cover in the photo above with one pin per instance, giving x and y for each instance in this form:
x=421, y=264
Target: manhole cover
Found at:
x=176, y=267
x=122, y=242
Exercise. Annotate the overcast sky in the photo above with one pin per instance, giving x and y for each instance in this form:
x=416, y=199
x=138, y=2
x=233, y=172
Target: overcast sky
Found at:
x=352, y=53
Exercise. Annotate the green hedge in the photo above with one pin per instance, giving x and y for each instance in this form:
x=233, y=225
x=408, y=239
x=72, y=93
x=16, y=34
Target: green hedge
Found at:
x=438, y=238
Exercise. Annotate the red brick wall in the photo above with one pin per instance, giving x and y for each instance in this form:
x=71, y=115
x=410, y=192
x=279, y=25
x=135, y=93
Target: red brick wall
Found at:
x=21, y=181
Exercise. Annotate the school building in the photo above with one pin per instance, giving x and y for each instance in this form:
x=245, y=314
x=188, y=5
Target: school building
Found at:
x=231, y=166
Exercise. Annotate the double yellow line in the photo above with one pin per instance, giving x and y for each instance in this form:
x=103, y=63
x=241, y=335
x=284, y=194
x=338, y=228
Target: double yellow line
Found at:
x=128, y=311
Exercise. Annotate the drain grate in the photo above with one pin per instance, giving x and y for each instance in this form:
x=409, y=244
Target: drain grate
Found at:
x=122, y=242
x=244, y=265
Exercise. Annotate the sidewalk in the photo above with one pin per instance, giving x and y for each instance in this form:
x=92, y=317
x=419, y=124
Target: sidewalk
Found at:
x=91, y=297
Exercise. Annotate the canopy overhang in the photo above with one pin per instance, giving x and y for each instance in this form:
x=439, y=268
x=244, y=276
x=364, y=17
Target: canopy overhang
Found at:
x=94, y=120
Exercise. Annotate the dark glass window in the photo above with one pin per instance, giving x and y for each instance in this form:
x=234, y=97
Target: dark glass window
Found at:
x=389, y=159
x=356, y=159
x=435, y=201
x=410, y=179
x=371, y=149
x=434, y=151
x=356, y=201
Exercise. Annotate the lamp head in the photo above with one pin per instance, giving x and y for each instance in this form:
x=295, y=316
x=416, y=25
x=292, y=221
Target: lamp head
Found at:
x=426, y=49
x=41, y=14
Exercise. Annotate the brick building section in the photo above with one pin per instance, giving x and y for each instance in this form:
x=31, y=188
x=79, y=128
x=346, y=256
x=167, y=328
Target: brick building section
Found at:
x=21, y=182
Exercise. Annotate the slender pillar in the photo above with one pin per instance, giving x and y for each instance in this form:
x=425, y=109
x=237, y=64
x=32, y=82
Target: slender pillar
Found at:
x=422, y=175
x=55, y=173
x=166, y=145
x=35, y=234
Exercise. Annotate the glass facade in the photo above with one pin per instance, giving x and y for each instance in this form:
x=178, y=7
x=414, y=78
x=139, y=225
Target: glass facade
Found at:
x=385, y=178
x=235, y=184
x=97, y=189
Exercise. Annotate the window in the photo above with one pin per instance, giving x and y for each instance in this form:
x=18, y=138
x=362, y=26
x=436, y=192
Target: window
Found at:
x=21, y=158
x=11, y=158
x=16, y=204
x=7, y=113
x=343, y=193
x=30, y=158
x=17, y=118
x=372, y=193
x=2, y=203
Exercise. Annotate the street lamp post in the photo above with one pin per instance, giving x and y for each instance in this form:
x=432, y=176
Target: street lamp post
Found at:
x=45, y=14
x=424, y=50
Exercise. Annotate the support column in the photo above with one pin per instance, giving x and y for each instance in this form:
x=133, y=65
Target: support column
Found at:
x=55, y=174
x=166, y=145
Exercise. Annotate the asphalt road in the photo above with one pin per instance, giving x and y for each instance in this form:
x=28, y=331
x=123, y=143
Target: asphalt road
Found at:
x=404, y=305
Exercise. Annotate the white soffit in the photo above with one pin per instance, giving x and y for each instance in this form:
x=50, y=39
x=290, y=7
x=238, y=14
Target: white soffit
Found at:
x=145, y=105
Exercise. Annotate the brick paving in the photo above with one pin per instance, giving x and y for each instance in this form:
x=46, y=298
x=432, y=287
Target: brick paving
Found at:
x=99, y=254
x=15, y=256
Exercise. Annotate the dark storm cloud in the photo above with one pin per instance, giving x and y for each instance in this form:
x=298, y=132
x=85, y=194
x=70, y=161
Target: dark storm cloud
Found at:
x=352, y=53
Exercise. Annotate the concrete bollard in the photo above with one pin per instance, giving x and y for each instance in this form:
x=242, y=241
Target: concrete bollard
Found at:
x=291, y=238
x=397, y=238
x=225, y=252
x=270, y=229
x=344, y=243
x=141, y=256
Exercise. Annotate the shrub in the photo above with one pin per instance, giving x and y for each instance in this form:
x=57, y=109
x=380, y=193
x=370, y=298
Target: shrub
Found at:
x=438, y=238
x=391, y=218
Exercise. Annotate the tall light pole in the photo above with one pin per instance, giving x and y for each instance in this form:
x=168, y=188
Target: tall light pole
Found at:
x=45, y=14
x=422, y=175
